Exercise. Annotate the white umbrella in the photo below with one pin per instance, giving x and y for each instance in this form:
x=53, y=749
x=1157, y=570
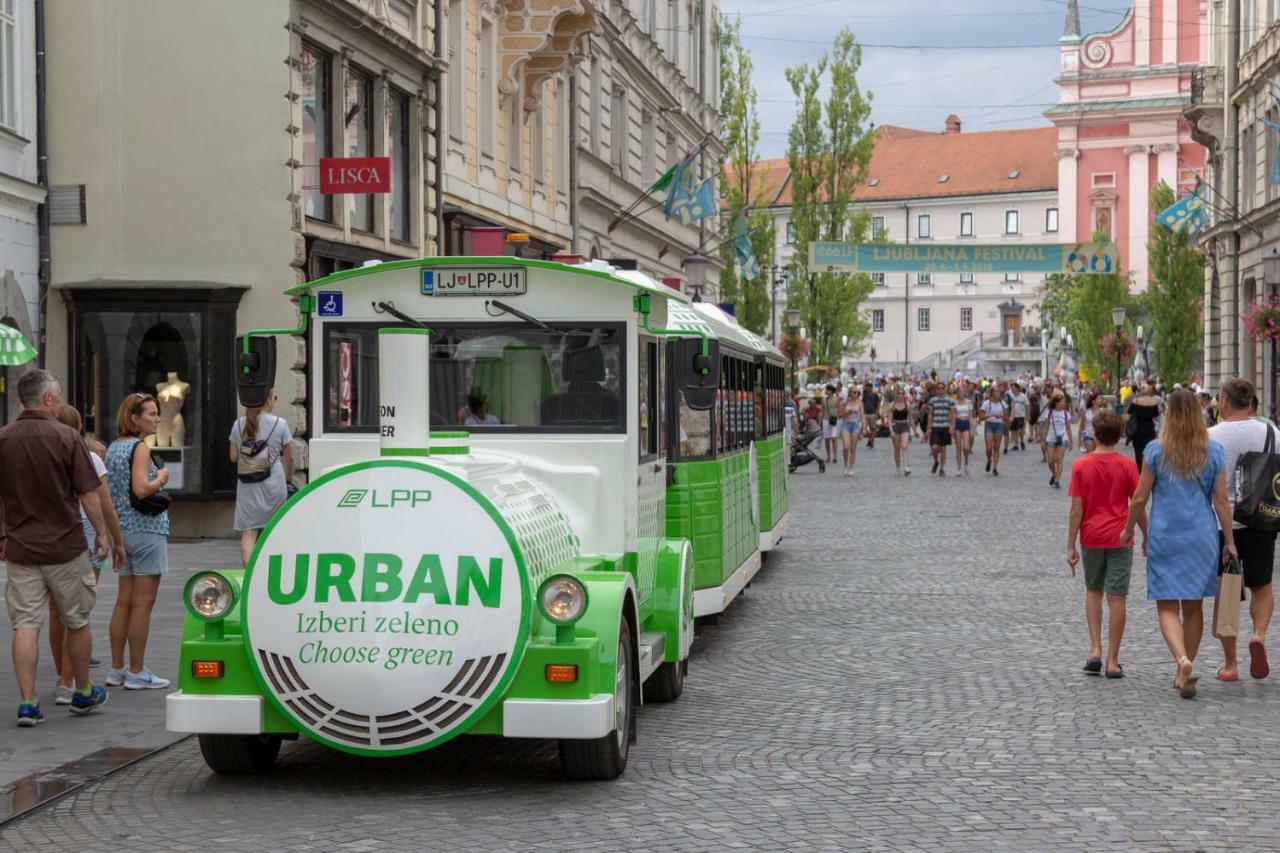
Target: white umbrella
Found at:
x=14, y=348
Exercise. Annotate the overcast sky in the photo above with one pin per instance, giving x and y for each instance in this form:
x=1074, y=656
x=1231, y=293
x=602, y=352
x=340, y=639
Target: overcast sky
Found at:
x=993, y=65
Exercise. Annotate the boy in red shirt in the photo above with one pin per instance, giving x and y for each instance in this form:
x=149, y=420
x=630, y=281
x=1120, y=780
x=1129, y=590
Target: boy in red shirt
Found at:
x=1102, y=483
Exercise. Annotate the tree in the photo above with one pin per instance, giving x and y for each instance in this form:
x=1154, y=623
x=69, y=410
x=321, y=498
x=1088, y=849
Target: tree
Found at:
x=1082, y=304
x=1175, y=297
x=829, y=150
x=742, y=184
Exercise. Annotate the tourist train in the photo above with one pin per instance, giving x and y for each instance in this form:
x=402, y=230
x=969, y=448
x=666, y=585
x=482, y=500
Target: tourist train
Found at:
x=527, y=479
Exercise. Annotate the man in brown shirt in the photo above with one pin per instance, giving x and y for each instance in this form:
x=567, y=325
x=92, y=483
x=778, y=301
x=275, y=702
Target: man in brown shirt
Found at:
x=45, y=476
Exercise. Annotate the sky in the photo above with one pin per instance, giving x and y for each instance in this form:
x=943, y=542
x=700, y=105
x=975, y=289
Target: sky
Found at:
x=991, y=62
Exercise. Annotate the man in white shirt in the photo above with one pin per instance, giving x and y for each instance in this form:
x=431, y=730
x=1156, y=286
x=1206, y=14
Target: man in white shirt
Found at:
x=1238, y=434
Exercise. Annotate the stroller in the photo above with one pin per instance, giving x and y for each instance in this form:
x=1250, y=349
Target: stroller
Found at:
x=800, y=452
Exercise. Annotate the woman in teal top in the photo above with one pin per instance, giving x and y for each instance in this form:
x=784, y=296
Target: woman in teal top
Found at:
x=146, y=541
x=1184, y=478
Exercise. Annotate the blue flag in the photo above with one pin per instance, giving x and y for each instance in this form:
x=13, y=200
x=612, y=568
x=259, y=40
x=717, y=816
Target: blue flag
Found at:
x=700, y=204
x=681, y=188
x=748, y=266
x=1187, y=215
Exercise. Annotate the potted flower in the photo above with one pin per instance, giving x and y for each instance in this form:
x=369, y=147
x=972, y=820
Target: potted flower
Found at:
x=1118, y=346
x=1263, y=319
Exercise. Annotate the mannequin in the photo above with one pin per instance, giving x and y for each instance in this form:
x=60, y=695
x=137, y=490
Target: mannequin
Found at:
x=170, y=394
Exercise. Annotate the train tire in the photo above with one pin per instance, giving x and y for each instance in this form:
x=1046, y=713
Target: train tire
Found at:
x=605, y=758
x=239, y=755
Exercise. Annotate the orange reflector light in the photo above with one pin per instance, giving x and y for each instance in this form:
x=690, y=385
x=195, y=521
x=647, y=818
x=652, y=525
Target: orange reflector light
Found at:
x=562, y=673
x=206, y=669
x=517, y=237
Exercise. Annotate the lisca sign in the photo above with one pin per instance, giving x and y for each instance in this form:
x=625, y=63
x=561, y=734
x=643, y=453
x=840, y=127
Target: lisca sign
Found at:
x=964, y=258
x=355, y=175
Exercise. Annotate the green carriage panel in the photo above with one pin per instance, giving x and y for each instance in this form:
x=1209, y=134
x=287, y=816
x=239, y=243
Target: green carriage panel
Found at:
x=775, y=502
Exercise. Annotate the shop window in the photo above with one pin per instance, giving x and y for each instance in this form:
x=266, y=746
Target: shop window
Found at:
x=401, y=174
x=317, y=134
x=358, y=121
x=179, y=350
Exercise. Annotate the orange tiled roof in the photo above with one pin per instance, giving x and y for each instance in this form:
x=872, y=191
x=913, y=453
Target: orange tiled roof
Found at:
x=907, y=164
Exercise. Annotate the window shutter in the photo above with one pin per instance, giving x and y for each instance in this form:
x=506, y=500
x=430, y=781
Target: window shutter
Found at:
x=67, y=205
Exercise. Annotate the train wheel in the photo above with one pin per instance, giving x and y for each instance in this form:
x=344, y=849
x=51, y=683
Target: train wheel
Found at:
x=240, y=755
x=604, y=758
x=667, y=683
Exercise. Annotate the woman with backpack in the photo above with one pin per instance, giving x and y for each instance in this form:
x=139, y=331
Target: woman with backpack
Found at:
x=262, y=453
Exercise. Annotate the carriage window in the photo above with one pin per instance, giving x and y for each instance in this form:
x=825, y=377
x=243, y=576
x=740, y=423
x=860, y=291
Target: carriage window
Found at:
x=647, y=387
x=488, y=378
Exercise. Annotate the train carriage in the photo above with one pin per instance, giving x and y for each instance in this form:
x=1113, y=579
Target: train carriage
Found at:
x=728, y=492
x=482, y=545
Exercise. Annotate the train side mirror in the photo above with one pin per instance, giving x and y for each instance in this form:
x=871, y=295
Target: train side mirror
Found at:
x=255, y=370
x=698, y=374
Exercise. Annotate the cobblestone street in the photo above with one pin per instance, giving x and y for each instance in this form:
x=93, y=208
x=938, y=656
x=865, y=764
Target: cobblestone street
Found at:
x=903, y=675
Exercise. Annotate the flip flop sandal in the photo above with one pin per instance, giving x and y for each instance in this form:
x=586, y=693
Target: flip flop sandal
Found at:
x=1259, y=667
x=1233, y=677
x=1093, y=666
x=1188, y=689
x=1116, y=673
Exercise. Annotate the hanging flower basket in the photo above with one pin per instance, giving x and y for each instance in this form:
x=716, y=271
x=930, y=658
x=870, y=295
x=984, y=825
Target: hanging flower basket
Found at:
x=795, y=348
x=1263, y=319
x=1118, y=346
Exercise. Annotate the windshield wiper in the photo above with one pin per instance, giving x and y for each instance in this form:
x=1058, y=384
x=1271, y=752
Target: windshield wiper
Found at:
x=533, y=321
x=390, y=308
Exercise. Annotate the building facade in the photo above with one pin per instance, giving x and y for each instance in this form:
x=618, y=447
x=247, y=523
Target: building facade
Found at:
x=947, y=188
x=1232, y=107
x=21, y=189
x=1121, y=95
x=186, y=202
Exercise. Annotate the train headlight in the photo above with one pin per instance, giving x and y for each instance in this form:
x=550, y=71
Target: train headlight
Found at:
x=210, y=596
x=563, y=599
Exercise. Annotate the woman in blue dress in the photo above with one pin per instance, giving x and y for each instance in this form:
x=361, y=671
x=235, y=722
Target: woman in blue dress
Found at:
x=1183, y=476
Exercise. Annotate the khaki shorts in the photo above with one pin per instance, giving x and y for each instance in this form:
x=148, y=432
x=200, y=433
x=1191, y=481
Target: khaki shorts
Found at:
x=1108, y=569
x=72, y=585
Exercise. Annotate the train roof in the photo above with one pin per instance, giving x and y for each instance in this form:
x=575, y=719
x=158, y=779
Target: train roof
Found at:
x=705, y=317
x=598, y=270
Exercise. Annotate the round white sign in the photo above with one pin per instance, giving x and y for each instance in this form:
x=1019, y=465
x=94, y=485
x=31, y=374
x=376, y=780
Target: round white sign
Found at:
x=387, y=607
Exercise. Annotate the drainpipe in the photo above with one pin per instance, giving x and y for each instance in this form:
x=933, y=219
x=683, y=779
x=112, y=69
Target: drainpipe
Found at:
x=439, y=131
x=906, y=295
x=1231, y=74
x=45, y=274
x=573, y=163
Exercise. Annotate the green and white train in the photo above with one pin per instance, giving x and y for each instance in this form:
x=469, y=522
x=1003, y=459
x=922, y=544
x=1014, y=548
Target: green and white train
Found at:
x=527, y=479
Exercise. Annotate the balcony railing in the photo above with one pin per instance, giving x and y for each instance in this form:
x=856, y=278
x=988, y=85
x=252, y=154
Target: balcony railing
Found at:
x=1207, y=112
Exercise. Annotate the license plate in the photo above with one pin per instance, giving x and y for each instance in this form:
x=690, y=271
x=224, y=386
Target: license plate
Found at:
x=474, y=282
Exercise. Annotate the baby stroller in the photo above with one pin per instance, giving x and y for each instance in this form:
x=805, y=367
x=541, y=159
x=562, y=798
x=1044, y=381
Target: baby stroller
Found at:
x=800, y=452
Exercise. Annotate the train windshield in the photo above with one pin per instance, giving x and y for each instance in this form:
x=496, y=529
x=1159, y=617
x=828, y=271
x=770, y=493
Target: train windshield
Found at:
x=491, y=378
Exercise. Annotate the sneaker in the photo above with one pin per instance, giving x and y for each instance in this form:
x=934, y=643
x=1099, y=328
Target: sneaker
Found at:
x=1006, y=451
x=906, y=472
x=942, y=473
x=115, y=678
x=988, y=466
x=62, y=695
x=94, y=663
x=935, y=467
x=81, y=704
x=995, y=473
x=1058, y=485
x=30, y=715
x=145, y=680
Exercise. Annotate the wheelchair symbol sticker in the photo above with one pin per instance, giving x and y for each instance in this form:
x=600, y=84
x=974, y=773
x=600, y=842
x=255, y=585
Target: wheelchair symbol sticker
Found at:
x=330, y=304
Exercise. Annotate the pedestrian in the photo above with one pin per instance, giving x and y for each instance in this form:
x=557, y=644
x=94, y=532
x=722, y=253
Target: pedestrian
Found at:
x=1143, y=409
x=995, y=416
x=47, y=477
x=871, y=413
x=1206, y=408
x=900, y=433
x=1019, y=404
x=1239, y=434
x=1090, y=411
x=830, y=423
x=131, y=468
x=964, y=427
x=262, y=453
x=1058, y=437
x=851, y=427
x=1102, y=484
x=65, y=688
x=941, y=411
x=1184, y=477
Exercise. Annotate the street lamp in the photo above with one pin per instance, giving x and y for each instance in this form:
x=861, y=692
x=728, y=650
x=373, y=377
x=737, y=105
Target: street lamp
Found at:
x=793, y=323
x=1117, y=318
x=844, y=354
x=695, y=270
x=1271, y=275
x=778, y=275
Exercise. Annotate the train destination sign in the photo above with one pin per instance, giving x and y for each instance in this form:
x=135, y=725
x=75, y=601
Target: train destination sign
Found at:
x=964, y=258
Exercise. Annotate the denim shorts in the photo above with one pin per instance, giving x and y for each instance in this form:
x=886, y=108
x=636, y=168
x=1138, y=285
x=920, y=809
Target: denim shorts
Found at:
x=996, y=428
x=146, y=554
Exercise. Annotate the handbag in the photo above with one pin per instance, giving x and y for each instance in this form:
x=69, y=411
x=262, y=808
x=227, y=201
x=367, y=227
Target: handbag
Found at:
x=1257, y=502
x=1226, y=607
x=152, y=504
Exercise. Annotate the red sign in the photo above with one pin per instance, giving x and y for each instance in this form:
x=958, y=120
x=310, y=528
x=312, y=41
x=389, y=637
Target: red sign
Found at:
x=355, y=175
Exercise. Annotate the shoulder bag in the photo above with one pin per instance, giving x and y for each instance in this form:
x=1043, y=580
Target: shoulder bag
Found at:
x=1257, y=504
x=254, y=462
x=152, y=504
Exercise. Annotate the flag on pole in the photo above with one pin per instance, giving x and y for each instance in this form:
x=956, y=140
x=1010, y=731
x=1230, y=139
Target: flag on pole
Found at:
x=680, y=186
x=699, y=205
x=665, y=180
x=748, y=266
x=1187, y=215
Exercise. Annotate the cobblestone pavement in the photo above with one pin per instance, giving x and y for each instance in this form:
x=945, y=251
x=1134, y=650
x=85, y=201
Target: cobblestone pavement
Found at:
x=903, y=675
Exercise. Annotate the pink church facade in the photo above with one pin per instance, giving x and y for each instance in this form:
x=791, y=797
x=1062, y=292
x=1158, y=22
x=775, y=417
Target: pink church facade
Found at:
x=1121, y=130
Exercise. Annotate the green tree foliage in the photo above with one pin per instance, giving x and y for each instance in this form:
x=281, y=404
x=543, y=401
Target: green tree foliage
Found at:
x=1176, y=296
x=828, y=150
x=741, y=186
x=1082, y=304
